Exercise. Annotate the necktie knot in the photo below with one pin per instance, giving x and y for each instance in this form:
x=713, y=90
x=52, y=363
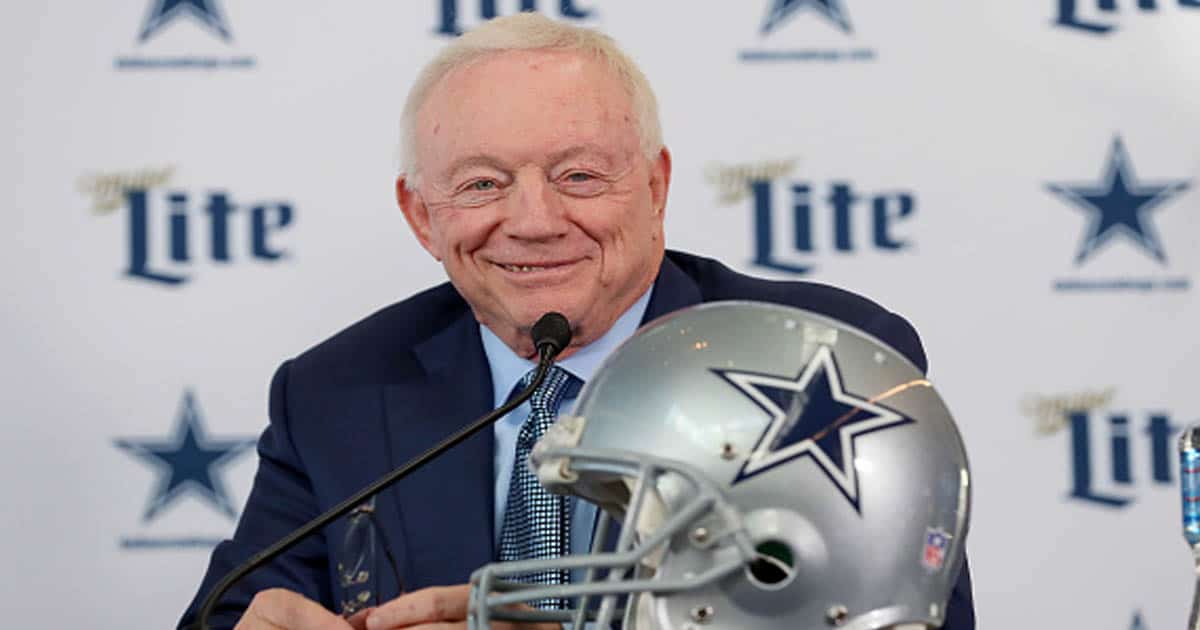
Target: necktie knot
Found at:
x=543, y=405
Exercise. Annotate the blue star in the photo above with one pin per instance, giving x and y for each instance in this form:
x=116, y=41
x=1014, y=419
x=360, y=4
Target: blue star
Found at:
x=187, y=462
x=811, y=416
x=163, y=12
x=1119, y=204
x=781, y=10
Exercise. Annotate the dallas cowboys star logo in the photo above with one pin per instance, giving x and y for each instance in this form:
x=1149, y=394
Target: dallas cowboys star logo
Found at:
x=812, y=415
x=163, y=12
x=187, y=462
x=1119, y=204
x=781, y=10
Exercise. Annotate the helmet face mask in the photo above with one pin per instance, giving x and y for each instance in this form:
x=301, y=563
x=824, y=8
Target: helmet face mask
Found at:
x=766, y=468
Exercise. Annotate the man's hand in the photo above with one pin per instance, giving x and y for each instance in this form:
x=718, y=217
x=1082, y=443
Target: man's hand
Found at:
x=281, y=609
x=434, y=608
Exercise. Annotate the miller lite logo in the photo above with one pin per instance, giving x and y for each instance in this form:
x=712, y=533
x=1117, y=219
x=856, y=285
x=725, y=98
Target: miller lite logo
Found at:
x=796, y=221
x=1101, y=17
x=1102, y=442
x=170, y=231
x=453, y=13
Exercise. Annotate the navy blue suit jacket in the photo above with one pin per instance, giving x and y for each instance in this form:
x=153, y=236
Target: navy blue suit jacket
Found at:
x=383, y=390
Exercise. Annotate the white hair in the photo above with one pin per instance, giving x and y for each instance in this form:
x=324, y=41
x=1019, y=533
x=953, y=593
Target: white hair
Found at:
x=528, y=31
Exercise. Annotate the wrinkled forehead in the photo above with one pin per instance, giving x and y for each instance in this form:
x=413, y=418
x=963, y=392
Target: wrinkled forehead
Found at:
x=526, y=103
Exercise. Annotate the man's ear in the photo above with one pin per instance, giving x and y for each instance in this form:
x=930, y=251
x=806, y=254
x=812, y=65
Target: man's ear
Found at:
x=660, y=181
x=417, y=214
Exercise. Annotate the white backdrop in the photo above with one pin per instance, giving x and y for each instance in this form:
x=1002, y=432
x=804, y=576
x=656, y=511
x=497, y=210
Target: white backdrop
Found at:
x=993, y=138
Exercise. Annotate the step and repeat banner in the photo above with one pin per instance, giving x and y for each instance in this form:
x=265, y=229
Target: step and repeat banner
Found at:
x=200, y=189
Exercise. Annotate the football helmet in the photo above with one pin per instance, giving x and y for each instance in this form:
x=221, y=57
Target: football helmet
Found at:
x=767, y=468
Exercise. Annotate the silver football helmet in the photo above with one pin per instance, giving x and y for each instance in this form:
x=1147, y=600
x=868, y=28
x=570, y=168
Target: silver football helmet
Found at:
x=768, y=468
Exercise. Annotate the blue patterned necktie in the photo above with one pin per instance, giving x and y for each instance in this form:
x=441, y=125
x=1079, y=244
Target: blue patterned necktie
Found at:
x=537, y=524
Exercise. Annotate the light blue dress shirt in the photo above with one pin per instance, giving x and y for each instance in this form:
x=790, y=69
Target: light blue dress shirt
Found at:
x=508, y=369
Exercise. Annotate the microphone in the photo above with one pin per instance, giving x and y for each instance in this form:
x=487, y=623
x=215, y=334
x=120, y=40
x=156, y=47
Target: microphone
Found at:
x=1189, y=488
x=551, y=334
x=552, y=330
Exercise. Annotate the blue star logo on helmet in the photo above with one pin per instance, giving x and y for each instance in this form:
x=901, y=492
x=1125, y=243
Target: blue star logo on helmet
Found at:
x=187, y=462
x=1119, y=205
x=812, y=415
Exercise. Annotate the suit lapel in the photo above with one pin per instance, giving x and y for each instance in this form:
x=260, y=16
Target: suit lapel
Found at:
x=673, y=290
x=446, y=508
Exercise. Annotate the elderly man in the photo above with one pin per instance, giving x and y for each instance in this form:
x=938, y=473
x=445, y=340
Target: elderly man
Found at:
x=535, y=172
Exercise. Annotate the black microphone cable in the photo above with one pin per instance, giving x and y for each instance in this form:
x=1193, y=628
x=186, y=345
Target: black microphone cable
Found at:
x=551, y=334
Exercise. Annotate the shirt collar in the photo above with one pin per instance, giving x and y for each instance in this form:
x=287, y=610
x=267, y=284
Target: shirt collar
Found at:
x=508, y=368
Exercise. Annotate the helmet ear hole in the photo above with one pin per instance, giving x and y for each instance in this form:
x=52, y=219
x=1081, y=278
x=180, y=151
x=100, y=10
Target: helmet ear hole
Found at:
x=775, y=566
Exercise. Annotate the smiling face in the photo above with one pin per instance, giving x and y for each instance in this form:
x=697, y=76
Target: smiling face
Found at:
x=534, y=194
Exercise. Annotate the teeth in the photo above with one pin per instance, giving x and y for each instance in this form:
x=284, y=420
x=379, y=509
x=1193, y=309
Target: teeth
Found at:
x=521, y=268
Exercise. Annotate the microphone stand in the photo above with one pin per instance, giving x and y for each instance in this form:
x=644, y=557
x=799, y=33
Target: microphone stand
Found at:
x=550, y=336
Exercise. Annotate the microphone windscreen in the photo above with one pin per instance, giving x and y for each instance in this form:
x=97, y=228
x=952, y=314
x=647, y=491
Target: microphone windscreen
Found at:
x=551, y=329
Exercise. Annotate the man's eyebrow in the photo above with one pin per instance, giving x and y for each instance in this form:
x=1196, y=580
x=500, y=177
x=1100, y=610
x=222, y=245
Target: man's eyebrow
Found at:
x=591, y=150
x=473, y=161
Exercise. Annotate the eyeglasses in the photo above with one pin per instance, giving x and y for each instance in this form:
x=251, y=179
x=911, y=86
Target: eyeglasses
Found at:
x=357, y=563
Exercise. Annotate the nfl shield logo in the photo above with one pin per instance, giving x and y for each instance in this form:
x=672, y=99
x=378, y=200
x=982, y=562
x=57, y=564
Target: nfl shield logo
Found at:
x=936, y=543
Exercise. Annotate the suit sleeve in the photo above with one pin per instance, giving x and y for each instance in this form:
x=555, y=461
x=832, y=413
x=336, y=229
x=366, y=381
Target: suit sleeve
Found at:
x=280, y=500
x=898, y=333
x=960, y=609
